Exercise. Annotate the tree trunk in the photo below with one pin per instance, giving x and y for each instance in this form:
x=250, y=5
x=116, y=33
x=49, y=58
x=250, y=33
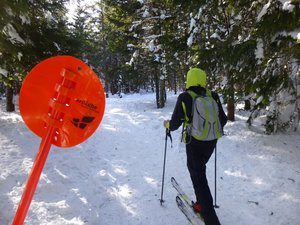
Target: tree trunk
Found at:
x=162, y=94
x=247, y=105
x=106, y=88
x=230, y=108
x=230, y=101
x=175, y=83
x=157, y=92
x=10, y=107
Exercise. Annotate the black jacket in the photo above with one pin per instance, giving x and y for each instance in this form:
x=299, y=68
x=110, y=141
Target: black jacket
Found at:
x=178, y=113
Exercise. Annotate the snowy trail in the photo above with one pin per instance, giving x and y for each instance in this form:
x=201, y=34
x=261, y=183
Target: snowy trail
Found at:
x=259, y=177
x=112, y=178
x=134, y=169
x=115, y=176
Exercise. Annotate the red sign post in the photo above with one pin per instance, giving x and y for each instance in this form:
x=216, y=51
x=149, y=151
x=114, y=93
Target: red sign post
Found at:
x=62, y=101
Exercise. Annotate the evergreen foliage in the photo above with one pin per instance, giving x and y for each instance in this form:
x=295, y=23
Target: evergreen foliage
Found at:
x=30, y=32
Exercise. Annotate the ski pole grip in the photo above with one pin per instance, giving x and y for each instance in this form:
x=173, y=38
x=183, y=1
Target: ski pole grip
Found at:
x=168, y=134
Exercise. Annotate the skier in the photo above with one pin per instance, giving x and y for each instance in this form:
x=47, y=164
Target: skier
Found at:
x=198, y=151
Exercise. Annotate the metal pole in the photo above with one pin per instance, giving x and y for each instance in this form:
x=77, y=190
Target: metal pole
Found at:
x=164, y=166
x=216, y=206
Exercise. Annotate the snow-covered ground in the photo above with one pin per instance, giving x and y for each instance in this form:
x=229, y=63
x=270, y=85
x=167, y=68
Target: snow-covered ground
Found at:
x=114, y=178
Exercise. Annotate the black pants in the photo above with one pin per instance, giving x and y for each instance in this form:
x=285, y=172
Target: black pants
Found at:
x=198, y=154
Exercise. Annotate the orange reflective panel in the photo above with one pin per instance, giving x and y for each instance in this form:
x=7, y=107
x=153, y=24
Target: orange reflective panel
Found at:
x=63, y=93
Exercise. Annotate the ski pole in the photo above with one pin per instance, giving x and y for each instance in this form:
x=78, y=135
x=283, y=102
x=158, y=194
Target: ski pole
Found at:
x=216, y=206
x=164, y=165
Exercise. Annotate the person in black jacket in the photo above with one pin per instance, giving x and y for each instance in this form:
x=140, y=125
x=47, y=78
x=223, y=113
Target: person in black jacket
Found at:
x=198, y=152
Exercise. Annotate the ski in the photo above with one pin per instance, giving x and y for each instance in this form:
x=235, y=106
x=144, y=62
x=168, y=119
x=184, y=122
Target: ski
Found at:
x=187, y=211
x=184, y=197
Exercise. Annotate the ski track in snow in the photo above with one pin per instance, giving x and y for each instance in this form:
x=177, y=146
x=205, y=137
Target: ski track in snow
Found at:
x=115, y=176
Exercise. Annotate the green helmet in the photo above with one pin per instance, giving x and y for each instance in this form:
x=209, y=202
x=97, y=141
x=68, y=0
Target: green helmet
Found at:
x=196, y=77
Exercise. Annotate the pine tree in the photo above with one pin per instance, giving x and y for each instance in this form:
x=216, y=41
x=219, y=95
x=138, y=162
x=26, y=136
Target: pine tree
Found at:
x=32, y=31
x=212, y=31
x=11, y=42
x=277, y=27
x=118, y=20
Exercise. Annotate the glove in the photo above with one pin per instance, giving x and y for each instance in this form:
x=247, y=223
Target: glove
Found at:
x=167, y=124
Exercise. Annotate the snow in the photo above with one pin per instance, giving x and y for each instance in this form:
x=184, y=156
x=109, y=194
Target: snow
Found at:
x=151, y=46
x=3, y=72
x=215, y=35
x=263, y=11
x=146, y=13
x=9, y=11
x=199, y=13
x=49, y=17
x=287, y=5
x=294, y=34
x=193, y=28
x=57, y=46
x=72, y=5
x=259, y=51
x=259, y=100
x=163, y=16
x=20, y=55
x=192, y=24
x=130, y=46
x=25, y=19
x=190, y=40
x=135, y=54
x=115, y=176
x=12, y=34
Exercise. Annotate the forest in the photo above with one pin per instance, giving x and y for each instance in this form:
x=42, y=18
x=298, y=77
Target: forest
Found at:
x=250, y=50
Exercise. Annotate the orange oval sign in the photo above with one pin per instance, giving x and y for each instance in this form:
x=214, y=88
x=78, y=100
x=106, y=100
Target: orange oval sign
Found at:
x=64, y=93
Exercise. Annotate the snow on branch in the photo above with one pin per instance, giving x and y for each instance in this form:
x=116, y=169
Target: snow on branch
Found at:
x=263, y=11
x=287, y=6
x=3, y=72
x=12, y=34
x=259, y=51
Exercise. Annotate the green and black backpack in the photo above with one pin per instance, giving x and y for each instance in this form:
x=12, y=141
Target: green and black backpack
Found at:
x=205, y=124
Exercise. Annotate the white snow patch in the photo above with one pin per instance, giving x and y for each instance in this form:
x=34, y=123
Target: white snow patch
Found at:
x=3, y=72
x=287, y=6
x=263, y=11
x=12, y=34
x=190, y=40
x=25, y=19
x=259, y=51
x=20, y=55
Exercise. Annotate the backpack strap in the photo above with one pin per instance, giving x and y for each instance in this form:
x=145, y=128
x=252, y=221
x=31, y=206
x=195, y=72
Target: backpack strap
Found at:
x=193, y=95
x=186, y=118
x=208, y=93
x=185, y=123
x=216, y=116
